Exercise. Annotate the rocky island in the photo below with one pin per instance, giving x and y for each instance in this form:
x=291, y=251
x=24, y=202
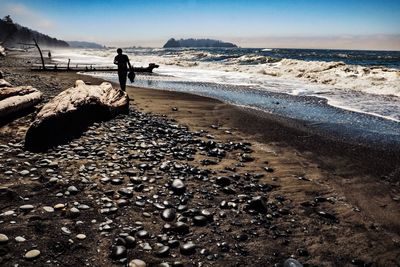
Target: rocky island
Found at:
x=172, y=43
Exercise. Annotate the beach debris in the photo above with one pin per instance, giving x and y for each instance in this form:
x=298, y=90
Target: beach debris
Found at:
x=14, y=100
x=3, y=83
x=69, y=114
x=2, y=51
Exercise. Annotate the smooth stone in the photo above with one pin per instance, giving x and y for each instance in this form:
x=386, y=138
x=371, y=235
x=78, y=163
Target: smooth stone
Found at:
x=180, y=228
x=178, y=186
x=143, y=234
x=125, y=192
x=26, y=207
x=162, y=251
x=292, y=263
x=116, y=181
x=137, y=263
x=48, y=209
x=24, y=172
x=65, y=230
x=81, y=236
x=32, y=254
x=168, y=215
x=118, y=252
x=59, y=206
x=3, y=239
x=19, y=239
x=74, y=210
x=200, y=220
x=188, y=248
x=258, y=204
x=223, y=181
x=130, y=241
x=72, y=189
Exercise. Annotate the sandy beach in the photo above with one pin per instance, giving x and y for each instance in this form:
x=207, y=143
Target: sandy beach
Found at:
x=325, y=202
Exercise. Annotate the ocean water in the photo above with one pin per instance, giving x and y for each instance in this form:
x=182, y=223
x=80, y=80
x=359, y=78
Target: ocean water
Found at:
x=362, y=81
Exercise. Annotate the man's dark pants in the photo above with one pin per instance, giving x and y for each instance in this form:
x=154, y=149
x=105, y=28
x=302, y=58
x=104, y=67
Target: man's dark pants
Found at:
x=122, y=74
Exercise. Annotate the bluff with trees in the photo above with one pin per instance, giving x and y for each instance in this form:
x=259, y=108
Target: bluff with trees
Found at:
x=172, y=43
x=11, y=34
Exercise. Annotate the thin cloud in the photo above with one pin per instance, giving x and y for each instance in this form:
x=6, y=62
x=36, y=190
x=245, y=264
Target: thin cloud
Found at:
x=29, y=17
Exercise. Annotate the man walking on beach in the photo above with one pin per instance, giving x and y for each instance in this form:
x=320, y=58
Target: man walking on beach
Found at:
x=123, y=62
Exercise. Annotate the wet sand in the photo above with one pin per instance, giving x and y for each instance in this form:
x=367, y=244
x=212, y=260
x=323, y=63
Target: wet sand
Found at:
x=358, y=184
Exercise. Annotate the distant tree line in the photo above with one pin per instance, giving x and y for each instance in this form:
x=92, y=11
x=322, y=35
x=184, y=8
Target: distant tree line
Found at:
x=11, y=34
x=197, y=43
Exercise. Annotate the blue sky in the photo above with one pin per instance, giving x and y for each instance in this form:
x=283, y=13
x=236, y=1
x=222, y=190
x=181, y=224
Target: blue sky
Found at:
x=312, y=23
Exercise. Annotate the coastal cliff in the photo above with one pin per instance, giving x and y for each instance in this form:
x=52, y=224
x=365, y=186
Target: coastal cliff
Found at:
x=12, y=34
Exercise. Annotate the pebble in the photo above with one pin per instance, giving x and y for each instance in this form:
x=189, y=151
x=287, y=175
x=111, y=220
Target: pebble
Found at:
x=26, y=207
x=292, y=263
x=72, y=189
x=168, y=215
x=223, y=181
x=130, y=241
x=48, y=209
x=81, y=236
x=143, y=234
x=200, y=220
x=3, y=239
x=178, y=186
x=188, y=248
x=32, y=254
x=118, y=252
x=59, y=206
x=65, y=230
x=137, y=263
x=20, y=239
x=163, y=251
x=24, y=172
x=258, y=204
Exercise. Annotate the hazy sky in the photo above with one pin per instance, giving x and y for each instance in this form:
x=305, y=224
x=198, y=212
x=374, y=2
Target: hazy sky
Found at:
x=364, y=24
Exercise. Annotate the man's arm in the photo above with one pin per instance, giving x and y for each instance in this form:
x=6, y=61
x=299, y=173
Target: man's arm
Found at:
x=115, y=61
x=129, y=63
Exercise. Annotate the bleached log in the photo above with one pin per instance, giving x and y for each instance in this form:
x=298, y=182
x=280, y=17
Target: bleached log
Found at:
x=17, y=99
x=2, y=51
x=4, y=83
x=72, y=111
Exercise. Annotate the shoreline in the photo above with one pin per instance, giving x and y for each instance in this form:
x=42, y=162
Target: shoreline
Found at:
x=296, y=133
x=306, y=167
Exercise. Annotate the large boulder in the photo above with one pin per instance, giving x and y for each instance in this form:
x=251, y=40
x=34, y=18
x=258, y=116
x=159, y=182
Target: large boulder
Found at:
x=16, y=100
x=70, y=113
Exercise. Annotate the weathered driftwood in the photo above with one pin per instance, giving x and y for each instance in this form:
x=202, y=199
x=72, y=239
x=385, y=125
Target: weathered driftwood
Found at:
x=2, y=51
x=4, y=83
x=14, y=100
x=70, y=113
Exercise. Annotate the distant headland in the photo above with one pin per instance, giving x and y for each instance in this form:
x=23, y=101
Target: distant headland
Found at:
x=172, y=43
x=13, y=34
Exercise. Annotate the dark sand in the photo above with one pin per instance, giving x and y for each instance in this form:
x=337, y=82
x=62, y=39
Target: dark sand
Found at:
x=359, y=184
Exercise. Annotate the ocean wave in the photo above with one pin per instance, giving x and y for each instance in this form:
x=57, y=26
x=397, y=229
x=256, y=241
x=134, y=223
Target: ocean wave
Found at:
x=374, y=80
x=371, y=89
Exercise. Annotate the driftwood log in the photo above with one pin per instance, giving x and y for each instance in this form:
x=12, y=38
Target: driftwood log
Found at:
x=70, y=113
x=15, y=100
x=3, y=83
x=2, y=51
